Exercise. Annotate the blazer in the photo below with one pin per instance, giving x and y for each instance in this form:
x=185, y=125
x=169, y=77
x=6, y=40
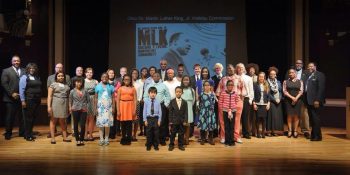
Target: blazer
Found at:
x=176, y=115
x=165, y=76
x=10, y=83
x=216, y=82
x=257, y=94
x=193, y=81
x=315, y=86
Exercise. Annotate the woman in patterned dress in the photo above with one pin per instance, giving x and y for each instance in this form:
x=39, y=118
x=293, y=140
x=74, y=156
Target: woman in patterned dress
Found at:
x=105, y=108
x=89, y=86
x=207, y=118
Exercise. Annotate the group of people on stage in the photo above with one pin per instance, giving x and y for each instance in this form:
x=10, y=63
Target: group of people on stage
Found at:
x=162, y=103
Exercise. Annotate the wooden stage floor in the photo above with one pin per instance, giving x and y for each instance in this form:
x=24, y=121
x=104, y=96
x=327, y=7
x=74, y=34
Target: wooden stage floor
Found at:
x=273, y=155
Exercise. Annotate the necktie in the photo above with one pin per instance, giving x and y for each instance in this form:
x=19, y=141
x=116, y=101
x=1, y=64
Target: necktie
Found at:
x=152, y=107
x=17, y=72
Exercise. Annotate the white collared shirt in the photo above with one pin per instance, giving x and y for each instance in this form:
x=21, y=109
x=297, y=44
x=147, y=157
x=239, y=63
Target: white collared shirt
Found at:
x=178, y=101
x=299, y=74
x=17, y=70
x=248, y=84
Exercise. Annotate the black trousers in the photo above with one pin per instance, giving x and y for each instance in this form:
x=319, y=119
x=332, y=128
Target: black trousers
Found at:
x=315, y=122
x=216, y=110
x=245, y=117
x=126, y=131
x=30, y=113
x=79, y=118
x=229, y=128
x=164, y=124
x=152, y=132
x=115, y=128
x=13, y=109
x=177, y=129
x=141, y=123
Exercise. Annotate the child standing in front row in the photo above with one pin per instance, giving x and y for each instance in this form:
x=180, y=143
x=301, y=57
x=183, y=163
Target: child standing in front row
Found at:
x=261, y=103
x=177, y=119
x=228, y=104
x=152, y=115
x=207, y=118
x=105, y=108
x=78, y=102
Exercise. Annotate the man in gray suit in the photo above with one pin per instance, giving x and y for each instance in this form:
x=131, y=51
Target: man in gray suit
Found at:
x=10, y=83
x=179, y=46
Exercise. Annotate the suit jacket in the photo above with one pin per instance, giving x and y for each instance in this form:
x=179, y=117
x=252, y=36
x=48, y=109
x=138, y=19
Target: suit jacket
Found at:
x=176, y=115
x=216, y=82
x=174, y=59
x=193, y=82
x=315, y=91
x=10, y=83
x=160, y=73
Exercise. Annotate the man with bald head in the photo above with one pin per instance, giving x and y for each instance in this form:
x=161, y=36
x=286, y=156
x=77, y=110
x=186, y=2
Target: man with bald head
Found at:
x=163, y=70
x=10, y=83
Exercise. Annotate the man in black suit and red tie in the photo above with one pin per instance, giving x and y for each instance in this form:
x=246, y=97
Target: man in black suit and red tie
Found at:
x=314, y=96
x=10, y=83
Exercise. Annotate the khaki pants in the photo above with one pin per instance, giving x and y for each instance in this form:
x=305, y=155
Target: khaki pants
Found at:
x=304, y=119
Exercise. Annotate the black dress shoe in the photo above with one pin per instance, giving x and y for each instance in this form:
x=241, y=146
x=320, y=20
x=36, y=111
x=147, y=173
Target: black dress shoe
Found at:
x=316, y=139
x=156, y=148
x=182, y=148
x=171, y=148
x=30, y=139
x=53, y=142
x=148, y=148
x=64, y=140
x=7, y=137
x=307, y=135
x=163, y=143
x=247, y=137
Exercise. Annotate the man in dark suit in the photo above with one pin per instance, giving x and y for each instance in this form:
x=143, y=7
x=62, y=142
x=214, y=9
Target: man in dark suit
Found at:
x=194, y=78
x=10, y=82
x=179, y=46
x=315, y=99
x=197, y=75
x=163, y=68
x=177, y=119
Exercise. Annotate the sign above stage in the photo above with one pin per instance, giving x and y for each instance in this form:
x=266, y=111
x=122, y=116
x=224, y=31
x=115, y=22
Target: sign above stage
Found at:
x=181, y=18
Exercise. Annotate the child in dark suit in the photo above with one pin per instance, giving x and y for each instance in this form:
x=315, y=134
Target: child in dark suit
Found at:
x=177, y=119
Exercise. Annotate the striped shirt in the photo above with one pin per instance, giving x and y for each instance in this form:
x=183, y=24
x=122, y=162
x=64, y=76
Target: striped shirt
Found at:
x=228, y=101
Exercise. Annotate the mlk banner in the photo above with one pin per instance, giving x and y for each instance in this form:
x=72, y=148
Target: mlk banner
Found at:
x=181, y=43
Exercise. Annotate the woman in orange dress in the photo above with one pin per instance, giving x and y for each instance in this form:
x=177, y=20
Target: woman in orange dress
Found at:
x=126, y=108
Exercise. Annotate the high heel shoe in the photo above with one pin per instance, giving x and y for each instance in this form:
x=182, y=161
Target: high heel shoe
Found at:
x=289, y=134
x=295, y=135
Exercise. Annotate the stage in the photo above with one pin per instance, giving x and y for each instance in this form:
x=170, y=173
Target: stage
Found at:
x=273, y=155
